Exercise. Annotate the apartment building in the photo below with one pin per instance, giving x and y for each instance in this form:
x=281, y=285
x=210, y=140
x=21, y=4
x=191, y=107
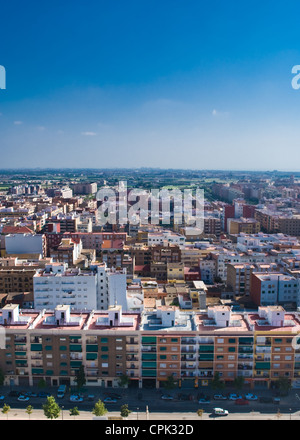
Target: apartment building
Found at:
x=17, y=278
x=245, y=225
x=239, y=278
x=68, y=251
x=274, y=288
x=95, y=288
x=149, y=346
x=84, y=188
x=164, y=238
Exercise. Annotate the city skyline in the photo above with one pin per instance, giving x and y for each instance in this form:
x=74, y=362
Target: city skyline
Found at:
x=171, y=86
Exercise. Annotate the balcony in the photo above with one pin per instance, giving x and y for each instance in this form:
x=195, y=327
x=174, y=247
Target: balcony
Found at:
x=205, y=374
x=76, y=356
x=245, y=366
x=93, y=373
x=37, y=357
x=188, y=357
x=263, y=350
x=188, y=366
x=132, y=341
x=245, y=356
x=244, y=373
x=132, y=349
x=149, y=349
x=132, y=358
x=188, y=341
x=188, y=374
x=132, y=367
x=188, y=350
x=20, y=339
x=262, y=376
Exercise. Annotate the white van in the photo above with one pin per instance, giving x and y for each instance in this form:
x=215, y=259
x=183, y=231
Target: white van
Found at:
x=220, y=412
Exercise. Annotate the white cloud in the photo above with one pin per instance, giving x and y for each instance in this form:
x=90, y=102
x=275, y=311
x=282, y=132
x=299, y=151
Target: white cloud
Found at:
x=18, y=122
x=219, y=113
x=88, y=133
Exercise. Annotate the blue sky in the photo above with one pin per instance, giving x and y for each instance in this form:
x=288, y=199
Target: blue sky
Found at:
x=170, y=84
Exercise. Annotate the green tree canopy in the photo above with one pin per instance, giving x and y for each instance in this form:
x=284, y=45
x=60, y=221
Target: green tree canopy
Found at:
x=51, y=408
x=99, y=409
x=125, y=411
x=80, y=377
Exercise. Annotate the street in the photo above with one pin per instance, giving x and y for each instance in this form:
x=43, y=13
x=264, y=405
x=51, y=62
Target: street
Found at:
x=183, y=405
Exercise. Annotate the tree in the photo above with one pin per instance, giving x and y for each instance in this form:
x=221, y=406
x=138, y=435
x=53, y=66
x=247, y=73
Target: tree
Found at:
x=51, y=408
x=239, y=382
x=283, y=384
x=216, y=383
x=80, y=377
x=99, y=409
x=125, y=411
x=200, y=412
x=29, y=410
x=74, y=412
x=1, y=377
x=169, y=384
x=6, y=409
x=41, y=384
x=124, y=380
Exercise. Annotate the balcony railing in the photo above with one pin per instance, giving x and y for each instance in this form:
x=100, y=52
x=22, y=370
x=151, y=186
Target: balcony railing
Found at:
x=188, y=341
x=188, y=366
x=188, y=350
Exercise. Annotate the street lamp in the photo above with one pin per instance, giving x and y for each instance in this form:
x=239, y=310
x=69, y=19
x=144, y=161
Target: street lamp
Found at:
x=62, y=412
x=290, y=413
x=137, y=413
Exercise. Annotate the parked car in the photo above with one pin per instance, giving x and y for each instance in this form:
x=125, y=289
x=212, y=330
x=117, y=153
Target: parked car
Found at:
x=43, y=394
x=276, y=399
x=90, y=397
x=220, y=397
x=14, y=394
x=204, y=400
x=241, y=402
x=266, y=399
x=1, y=397
x=166, y=397
x=250, y=396
x=220, y=412
x=30, y=394
x=234, y=397
x=110, y=400
x=76, y=398
x=113, y=395
x=22, y=398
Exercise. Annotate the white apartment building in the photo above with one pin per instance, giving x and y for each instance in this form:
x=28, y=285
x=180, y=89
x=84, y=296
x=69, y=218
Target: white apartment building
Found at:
x=59, y=285
x=225, y=257
x=207, y=270
x=111, y=286
x=164, y=238
x=96, y=288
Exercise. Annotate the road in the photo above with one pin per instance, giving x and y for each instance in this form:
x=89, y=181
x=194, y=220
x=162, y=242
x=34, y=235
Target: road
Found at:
x=139, y=400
